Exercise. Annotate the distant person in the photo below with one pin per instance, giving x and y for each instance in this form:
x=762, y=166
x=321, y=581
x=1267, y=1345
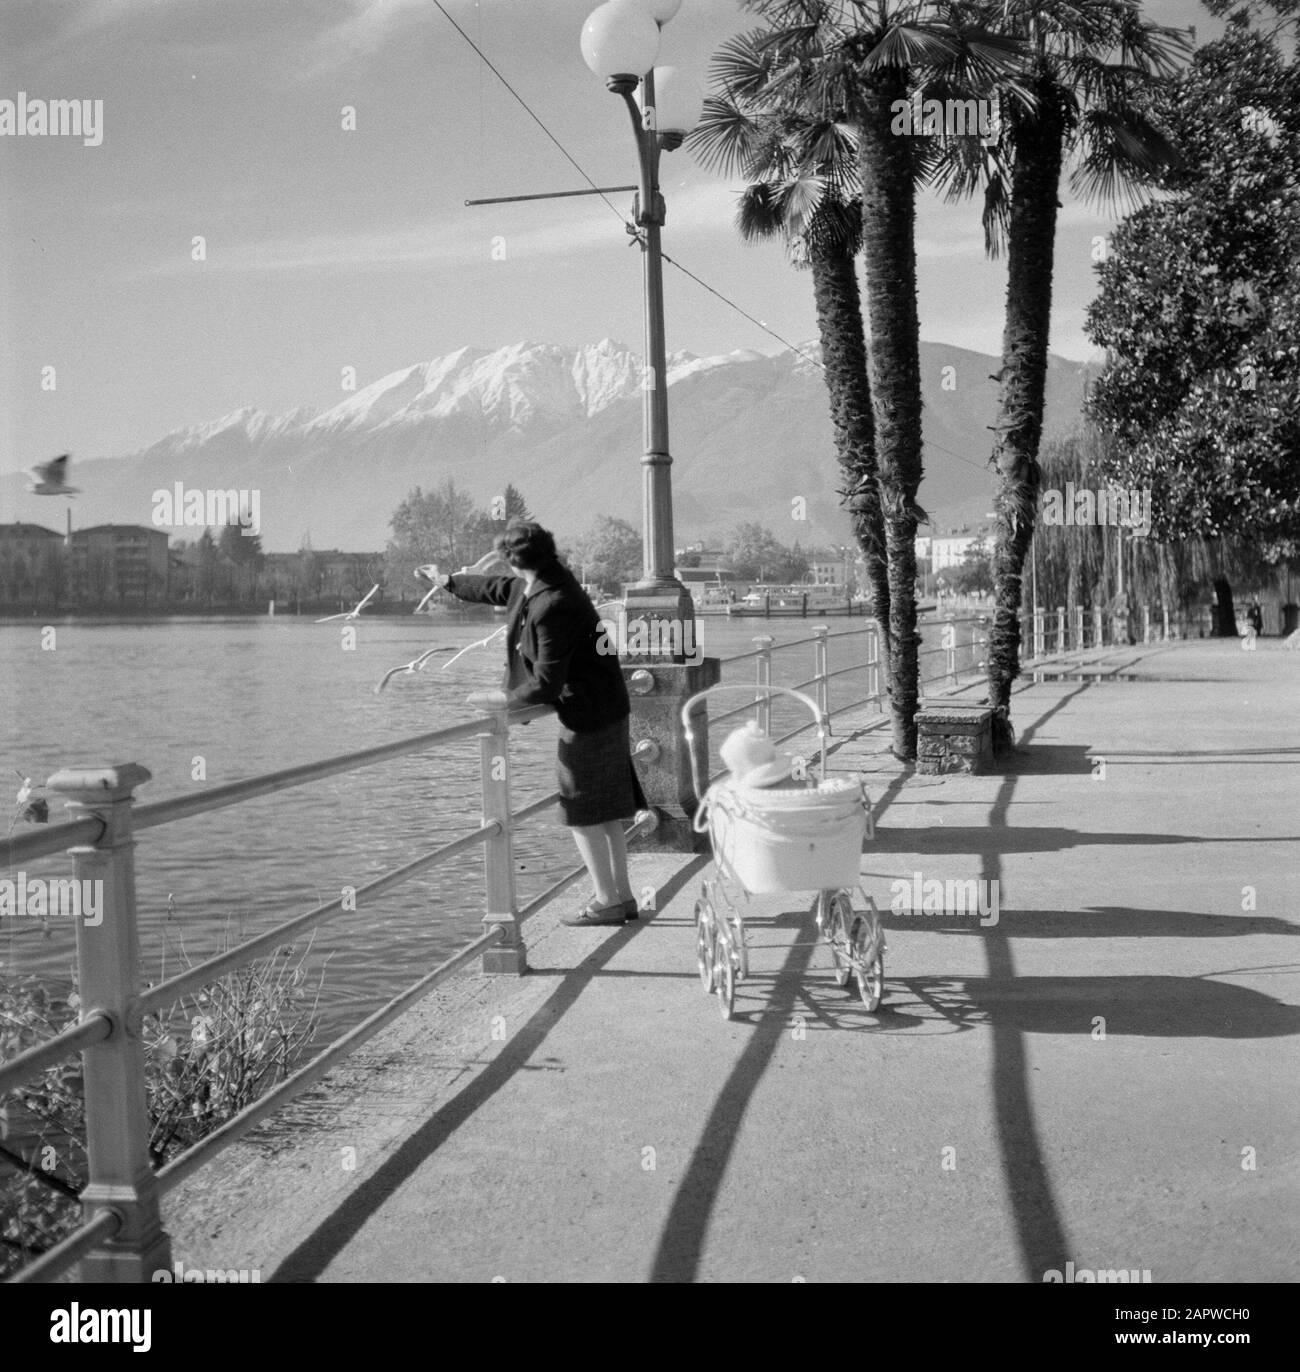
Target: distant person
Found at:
x=557, y=654
x=1256, y=617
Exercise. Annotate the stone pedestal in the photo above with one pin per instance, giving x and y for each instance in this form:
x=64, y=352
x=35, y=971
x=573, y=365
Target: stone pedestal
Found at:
x=658, y=690
x=953, y=738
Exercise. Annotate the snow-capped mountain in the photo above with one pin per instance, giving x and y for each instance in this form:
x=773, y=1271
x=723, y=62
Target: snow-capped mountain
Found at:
x=750, y=437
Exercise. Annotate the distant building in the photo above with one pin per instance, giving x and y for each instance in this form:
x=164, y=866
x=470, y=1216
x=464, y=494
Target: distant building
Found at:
x=122, y=564
x=944, y=551
x=31, y=563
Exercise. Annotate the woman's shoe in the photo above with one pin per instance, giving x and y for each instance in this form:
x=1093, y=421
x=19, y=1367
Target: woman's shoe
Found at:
x=631, y=910
x=591, y=915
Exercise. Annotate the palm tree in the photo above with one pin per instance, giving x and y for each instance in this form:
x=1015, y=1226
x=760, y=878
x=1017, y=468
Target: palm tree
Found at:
x=802, y=165
x=1090, y=61
x=868, y=57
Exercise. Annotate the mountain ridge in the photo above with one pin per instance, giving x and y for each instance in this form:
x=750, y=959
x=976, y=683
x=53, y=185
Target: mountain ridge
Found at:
x=750, y=435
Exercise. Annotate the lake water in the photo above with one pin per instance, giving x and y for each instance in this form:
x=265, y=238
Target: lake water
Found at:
x=249, y=696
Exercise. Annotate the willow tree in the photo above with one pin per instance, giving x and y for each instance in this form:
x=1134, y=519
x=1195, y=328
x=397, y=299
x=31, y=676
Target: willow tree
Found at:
x=1092, y=64
x=801, y=163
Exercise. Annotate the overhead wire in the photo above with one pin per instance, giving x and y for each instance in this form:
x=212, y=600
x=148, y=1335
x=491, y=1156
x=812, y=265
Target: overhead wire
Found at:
x=573, y=162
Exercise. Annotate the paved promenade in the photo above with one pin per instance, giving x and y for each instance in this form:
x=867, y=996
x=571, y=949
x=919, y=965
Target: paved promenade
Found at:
x=1107, y=1076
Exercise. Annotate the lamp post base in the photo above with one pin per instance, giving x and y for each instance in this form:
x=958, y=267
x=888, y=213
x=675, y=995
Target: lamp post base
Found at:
x=658, y=691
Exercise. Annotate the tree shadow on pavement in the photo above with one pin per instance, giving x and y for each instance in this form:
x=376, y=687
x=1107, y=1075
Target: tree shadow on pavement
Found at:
x=314, y=1253
x=1131, y=1007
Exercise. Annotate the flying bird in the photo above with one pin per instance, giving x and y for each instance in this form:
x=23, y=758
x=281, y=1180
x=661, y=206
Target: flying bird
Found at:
x=415, y=665
x=356, y=610
x=51, y=478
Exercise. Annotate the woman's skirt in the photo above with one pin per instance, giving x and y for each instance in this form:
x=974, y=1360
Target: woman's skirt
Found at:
x=597, y=779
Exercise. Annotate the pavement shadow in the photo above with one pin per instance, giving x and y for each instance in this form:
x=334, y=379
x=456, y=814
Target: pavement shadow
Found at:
x=1126, y=1007
x=949, y=839
x=311, y=1257
x=1104, y=921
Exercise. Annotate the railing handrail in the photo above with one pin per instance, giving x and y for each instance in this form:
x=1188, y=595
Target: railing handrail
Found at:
x=48, y=840
x=235, y=792
x=95, y=1026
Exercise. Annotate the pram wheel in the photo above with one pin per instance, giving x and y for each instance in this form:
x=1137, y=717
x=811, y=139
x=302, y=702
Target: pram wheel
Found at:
x=868, y=962
x=705, y=943
x=725, y=968
x=834, y=915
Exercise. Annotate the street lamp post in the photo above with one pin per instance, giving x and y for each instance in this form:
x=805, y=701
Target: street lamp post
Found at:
x=663, y=661
x=620, y=42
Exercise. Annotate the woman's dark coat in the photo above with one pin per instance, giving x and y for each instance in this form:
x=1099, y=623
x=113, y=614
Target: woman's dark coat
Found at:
x=554, y=646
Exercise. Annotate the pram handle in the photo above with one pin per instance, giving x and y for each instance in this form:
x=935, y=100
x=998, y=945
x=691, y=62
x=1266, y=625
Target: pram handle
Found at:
x=697, y=764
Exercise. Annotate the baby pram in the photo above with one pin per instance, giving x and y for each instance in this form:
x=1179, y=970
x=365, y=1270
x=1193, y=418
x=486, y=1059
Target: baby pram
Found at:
x=768, y=840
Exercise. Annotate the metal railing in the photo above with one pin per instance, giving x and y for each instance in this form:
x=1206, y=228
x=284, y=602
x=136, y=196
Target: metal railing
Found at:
x=122, y=1237
x=1048, y=633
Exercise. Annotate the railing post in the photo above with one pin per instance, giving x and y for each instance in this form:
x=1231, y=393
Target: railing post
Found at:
x=1078, y=626
x=763, y=642
x=949, y=645
x=1039, y=627
x=873, y=666
x=1146, y=624
x=121, y=1179
x=1060, y=629
x=1164, y=614
x=1097, y=633
x=820, y=668
x=509, y=954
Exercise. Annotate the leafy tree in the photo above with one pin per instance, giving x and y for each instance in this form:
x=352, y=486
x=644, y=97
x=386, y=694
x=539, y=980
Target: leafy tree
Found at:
x=608, y=554
x=207, y=561
x=975, y=573
x=1199, y=311
x=442, y=526
x=513, y=505
x=239, y=549
x=756, y=554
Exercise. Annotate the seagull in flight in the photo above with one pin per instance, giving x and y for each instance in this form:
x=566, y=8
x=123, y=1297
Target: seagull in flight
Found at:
x=415, y=665
x=356, y=610
x=51, y=478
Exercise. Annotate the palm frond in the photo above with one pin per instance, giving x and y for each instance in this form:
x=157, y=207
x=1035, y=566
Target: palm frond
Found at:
x=1121, y=149
x=758, y=213
x=726, y=139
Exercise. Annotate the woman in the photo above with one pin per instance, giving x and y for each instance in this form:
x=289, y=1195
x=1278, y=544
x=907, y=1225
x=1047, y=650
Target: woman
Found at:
x=554, y=657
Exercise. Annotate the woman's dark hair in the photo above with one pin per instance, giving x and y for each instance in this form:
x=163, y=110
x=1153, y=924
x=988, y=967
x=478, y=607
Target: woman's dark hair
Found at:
x=526, y=545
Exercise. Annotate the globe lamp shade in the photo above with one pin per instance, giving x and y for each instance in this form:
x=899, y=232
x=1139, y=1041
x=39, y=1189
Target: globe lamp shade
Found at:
x=620, y=38
x=679, y=101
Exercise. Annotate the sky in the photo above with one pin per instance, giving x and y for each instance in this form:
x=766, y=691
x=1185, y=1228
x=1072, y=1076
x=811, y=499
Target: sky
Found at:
x=327, y=247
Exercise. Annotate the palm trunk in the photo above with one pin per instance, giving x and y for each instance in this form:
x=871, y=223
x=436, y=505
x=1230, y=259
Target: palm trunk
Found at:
x=1030, y=242
x=844, y=359
x=888, y=241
